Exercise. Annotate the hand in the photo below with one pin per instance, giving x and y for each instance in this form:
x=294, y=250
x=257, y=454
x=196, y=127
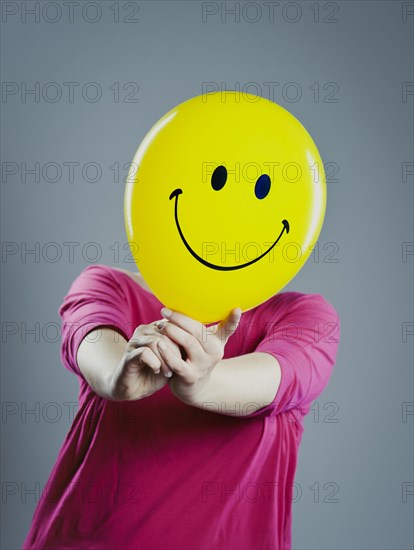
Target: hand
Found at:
x=139, y=373
x=203, y=348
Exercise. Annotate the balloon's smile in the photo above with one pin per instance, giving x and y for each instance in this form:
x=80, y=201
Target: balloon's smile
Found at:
x=179, y=191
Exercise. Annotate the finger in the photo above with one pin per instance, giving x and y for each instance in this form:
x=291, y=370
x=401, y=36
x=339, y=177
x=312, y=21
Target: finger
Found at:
x=143, y=356
x=228, y=326
x=159, y=326
x=184, y=322
x=192, y=347
x=137, y=341
x=175, y=363
x=164, y=366
x=134, y=341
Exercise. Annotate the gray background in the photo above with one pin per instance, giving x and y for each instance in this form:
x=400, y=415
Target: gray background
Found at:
x=357, y=437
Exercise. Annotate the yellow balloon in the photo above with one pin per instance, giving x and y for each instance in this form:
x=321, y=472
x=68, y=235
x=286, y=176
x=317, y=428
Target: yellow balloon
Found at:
x=224, y=201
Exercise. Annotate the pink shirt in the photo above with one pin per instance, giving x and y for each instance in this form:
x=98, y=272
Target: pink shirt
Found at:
x=159, y=474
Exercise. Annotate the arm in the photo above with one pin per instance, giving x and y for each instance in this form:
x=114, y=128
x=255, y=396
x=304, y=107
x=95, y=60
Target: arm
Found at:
x=99, y=344
x=240, y=385
x=237, y=386
x=118, y=369
x=282, y=373
x=99, y=362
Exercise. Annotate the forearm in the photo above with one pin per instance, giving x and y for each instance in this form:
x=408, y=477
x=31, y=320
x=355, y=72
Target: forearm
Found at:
x=98, y=356
x=240, y=385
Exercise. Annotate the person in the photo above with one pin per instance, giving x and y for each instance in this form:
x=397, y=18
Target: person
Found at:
x=187, y=435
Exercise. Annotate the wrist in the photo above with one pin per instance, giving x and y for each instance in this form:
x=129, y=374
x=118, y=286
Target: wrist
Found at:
x=202, y=392
x=109, y=387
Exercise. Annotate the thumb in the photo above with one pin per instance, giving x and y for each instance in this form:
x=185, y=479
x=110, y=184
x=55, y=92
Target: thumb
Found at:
x=228, y=326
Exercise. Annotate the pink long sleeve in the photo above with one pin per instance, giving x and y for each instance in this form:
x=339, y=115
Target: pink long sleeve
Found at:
x=157, y=473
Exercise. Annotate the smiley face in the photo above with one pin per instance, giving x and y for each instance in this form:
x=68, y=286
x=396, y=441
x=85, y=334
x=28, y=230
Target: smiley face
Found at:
x=224, y=201
x=218, y=180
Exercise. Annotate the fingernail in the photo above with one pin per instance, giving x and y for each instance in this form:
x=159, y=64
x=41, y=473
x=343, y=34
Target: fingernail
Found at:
x=166, y=312
x=158, y=371
x=168, y=374
x=162, y=346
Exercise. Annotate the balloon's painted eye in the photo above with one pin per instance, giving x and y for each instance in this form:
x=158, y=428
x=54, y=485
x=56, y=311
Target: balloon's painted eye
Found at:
x=262, y=187
x=218, y=178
